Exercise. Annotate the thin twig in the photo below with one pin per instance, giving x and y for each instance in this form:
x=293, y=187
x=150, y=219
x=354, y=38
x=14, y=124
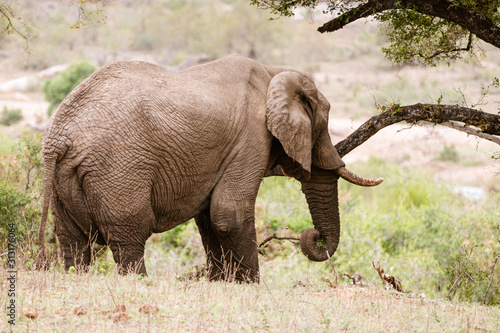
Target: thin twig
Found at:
x=471, y=131
x=459, y=49
x=273, y=236
x=491, y=278
x=334, y=271
x=6, y=12
x=111, y=293
x=458, y=281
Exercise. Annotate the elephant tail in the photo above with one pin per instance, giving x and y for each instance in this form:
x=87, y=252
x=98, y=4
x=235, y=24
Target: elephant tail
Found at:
x=48, y=188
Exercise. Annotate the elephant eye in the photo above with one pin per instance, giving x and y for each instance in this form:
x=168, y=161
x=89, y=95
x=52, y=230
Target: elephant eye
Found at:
x=307, y=105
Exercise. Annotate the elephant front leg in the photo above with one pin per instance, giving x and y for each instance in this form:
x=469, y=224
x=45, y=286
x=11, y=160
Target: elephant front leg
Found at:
x=129, y=257
x=233, y=222
x=212, y=246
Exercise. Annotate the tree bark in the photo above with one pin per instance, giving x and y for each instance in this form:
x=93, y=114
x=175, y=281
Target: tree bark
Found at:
x=469, y=19
x=487, y=124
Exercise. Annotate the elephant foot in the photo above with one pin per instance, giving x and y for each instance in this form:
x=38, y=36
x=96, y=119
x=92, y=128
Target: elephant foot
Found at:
x=76, y=254
x=228, y=269
x=129, y=260
x=134, y=267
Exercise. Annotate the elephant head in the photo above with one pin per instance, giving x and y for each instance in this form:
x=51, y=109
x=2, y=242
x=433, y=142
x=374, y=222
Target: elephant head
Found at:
x=297, y=116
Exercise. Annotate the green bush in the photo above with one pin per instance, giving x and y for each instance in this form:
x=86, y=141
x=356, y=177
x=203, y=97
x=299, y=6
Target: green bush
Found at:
x=10, y=116
x=21, y=188
x=58, y=88
x=449, y=154
x=12, y=200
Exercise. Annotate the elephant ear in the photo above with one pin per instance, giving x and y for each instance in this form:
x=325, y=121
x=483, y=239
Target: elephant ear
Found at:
x=291, y=103
x=325, y=155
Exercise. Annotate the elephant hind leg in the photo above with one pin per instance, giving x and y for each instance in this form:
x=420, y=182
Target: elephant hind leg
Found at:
x=76, y=252
x=126, y=235
x=75, y=245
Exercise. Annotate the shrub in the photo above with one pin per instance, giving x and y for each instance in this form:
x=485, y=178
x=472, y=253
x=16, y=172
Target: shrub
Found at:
x=21, y=188
x=12, y=200
x=10, y=116
x=449, y=154
x=58, y=88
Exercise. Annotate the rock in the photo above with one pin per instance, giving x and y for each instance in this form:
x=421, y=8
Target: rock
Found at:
x=52, y=71
x=24, y=83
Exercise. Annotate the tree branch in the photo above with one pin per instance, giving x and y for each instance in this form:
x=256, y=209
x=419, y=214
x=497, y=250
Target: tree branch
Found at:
x=472, y=131
x=487, y=123
x=459, y=49
x=10, y=28
x=363, y=10
x=474, y=21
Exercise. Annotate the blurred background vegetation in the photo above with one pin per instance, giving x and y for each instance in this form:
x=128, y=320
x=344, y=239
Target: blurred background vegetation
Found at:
x=433, y=238
x=169, y=31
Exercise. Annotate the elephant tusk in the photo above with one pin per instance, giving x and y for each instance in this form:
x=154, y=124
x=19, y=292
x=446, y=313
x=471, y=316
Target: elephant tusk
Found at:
x=357, y=180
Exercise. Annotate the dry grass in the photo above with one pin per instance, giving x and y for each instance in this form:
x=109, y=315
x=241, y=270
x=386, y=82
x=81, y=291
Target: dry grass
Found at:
x=70, y=302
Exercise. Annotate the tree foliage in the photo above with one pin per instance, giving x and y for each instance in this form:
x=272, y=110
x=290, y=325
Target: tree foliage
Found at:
x=12, y=23
x=426, y=31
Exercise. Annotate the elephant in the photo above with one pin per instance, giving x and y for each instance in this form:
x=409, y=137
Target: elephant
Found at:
x=137, y=149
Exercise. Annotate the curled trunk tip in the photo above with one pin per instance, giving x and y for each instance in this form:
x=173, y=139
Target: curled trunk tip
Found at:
x=356, y=179
x=309, y=246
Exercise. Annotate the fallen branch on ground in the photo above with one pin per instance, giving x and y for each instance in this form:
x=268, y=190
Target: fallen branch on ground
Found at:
x=330, y=283
x=387, y=279
x=356, y=279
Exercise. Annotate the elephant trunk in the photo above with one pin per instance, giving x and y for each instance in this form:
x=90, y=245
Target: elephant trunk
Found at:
x=321, y=193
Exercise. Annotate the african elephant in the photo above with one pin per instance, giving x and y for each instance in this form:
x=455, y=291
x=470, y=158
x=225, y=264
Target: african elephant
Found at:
x=136, y=149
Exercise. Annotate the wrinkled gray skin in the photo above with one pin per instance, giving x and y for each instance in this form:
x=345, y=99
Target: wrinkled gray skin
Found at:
x=137, y=149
